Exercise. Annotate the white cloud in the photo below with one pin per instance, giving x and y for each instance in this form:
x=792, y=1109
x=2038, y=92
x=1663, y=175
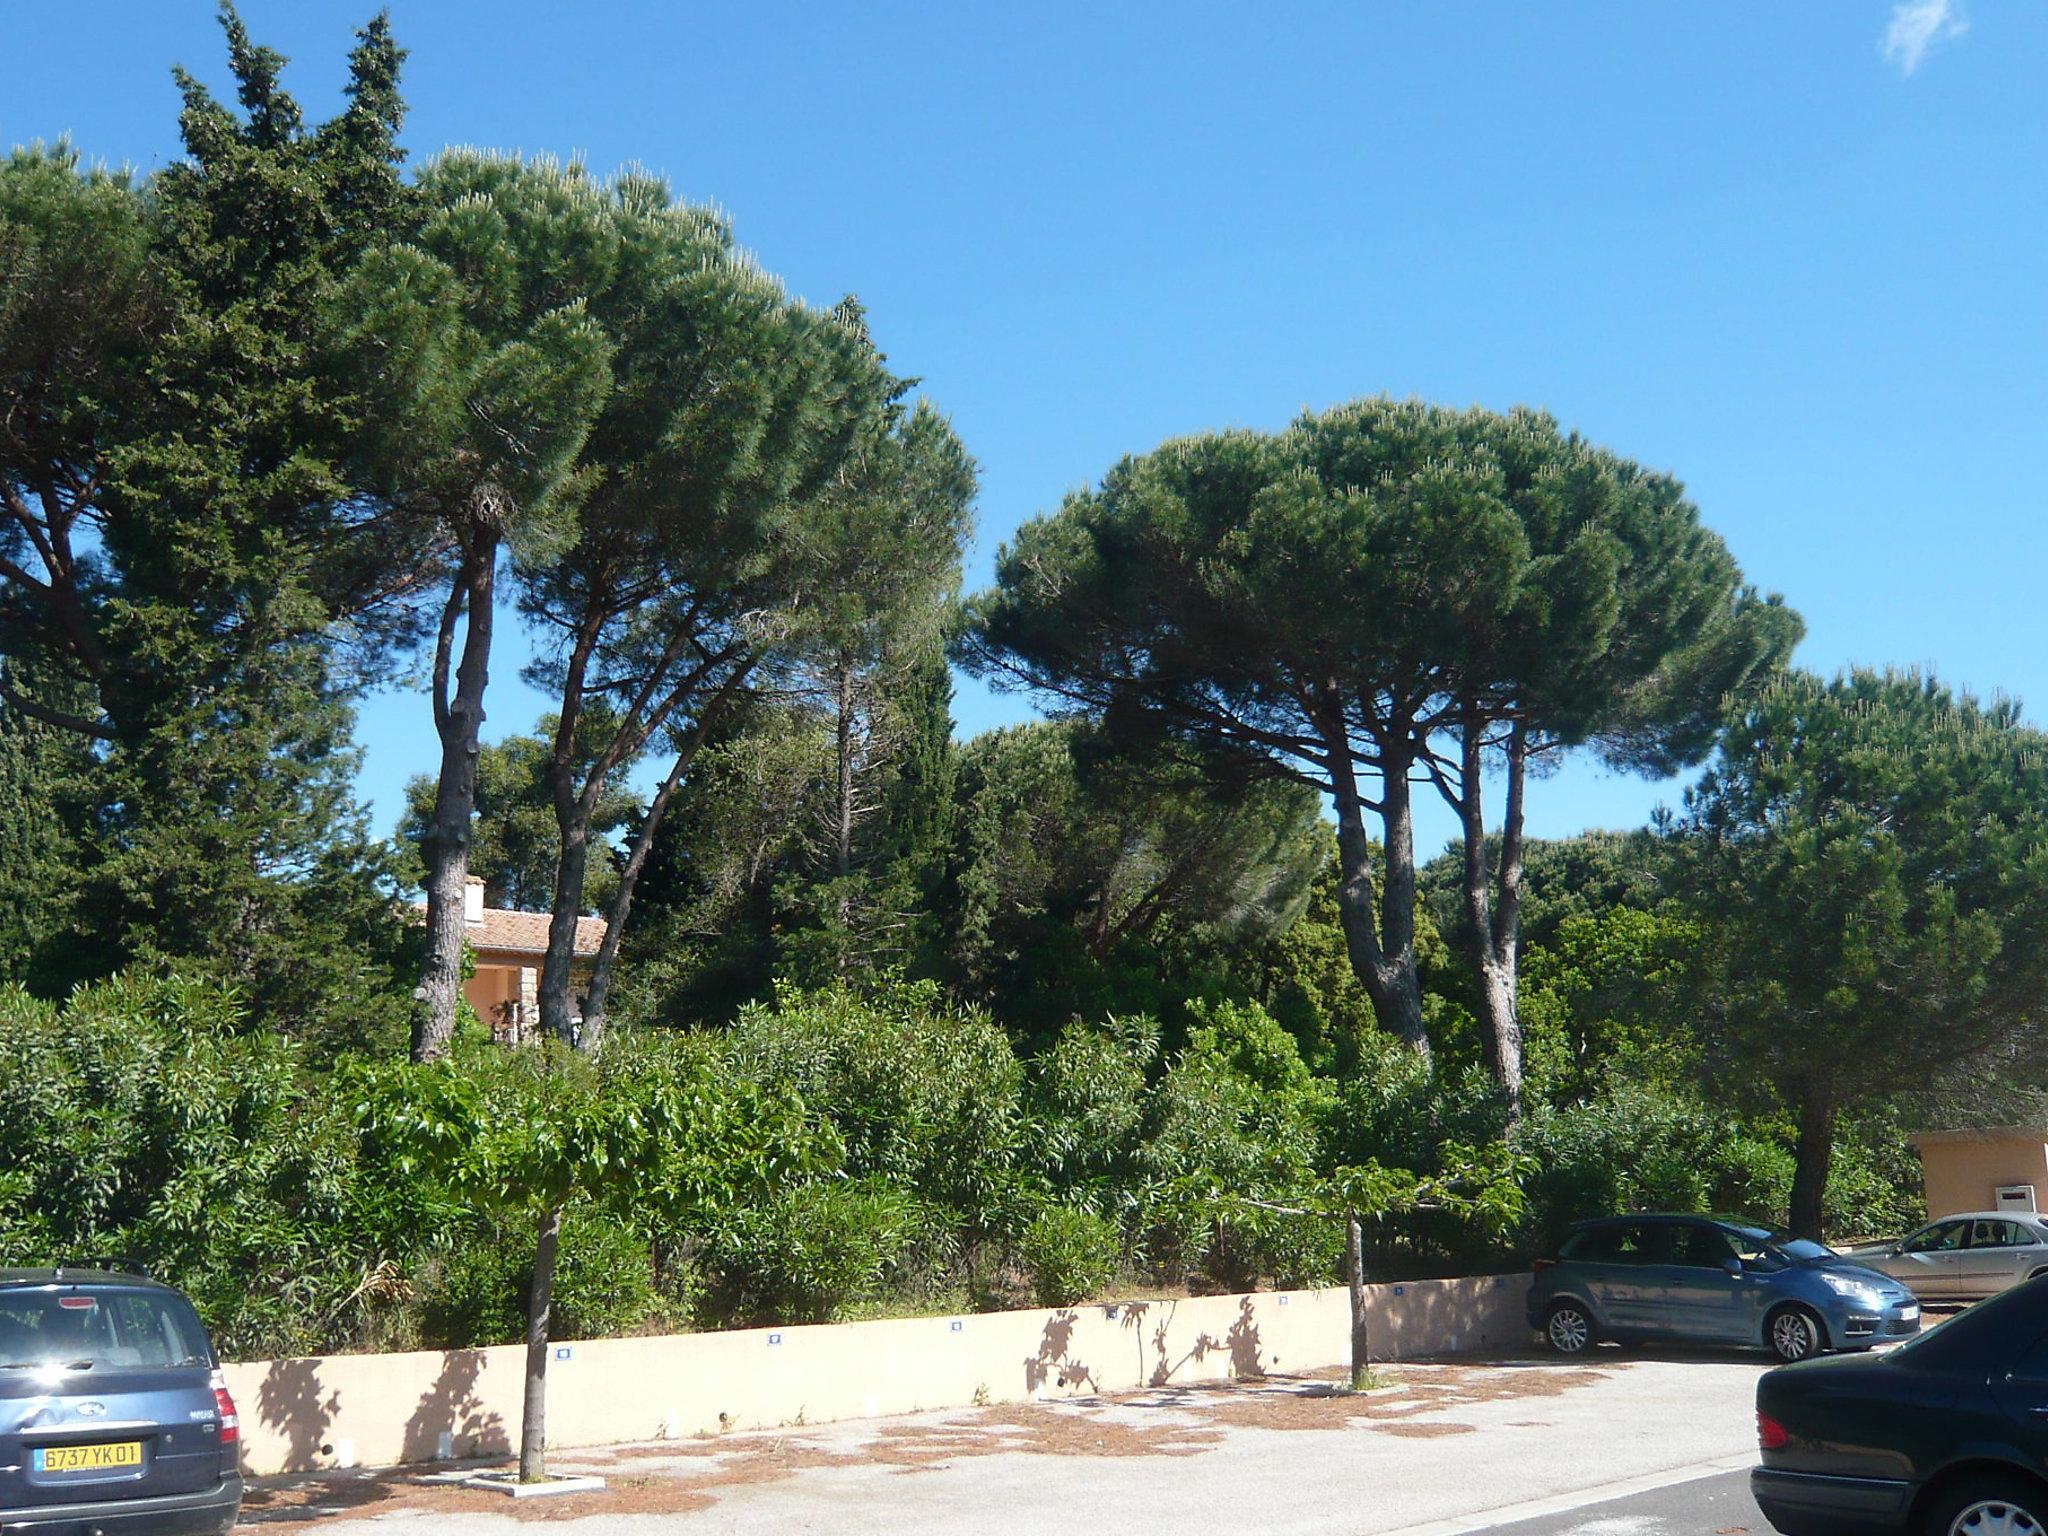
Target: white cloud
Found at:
x=1916, y=26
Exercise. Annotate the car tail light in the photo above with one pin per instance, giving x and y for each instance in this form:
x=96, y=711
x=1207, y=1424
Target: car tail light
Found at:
x=230, y=1420
x=1770, y=1434
x=1541, y=1265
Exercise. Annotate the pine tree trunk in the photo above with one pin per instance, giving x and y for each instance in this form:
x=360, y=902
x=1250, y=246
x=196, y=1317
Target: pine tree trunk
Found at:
x=629, y=875
x=1387, y=972
x=459, y=723
x=1816, y=1153
x=1494, y=920
x=557, y=968
x=842, y=830
x=533, y=1421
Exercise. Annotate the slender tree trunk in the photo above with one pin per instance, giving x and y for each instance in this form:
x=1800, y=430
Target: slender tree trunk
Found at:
x=1387, y=973
x=459, y=722
x=842, y=831
x=1361, y=1333
x=629, y=876
x=533, y=1420
x=1815, y=1155
x=1495, y=923
x=557, y=967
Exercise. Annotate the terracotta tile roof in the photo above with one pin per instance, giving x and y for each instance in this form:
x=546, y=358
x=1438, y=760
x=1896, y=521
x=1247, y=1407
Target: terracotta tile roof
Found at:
x=523, y=933
x=526, y=933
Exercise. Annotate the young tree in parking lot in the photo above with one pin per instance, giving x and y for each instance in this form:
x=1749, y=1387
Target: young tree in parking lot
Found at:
x=1480, y=1185
x=1867, y=863
x=1384, y=594
x=649, y=1133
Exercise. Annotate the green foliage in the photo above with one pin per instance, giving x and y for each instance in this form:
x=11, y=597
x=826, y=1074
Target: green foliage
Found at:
x=472, y=1289
x=818, y=1251
x=1867, y=862
x=184, y=548
x=1385, y=592
x=1641, y=1151
x=1071, y=1255
x=921, y=1091
x=145, y=1118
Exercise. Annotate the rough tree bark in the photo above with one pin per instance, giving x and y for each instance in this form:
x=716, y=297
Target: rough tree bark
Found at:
x=1387, y=969
x=533, y=1420
x=1361, y=1333
x=1816, y=1151
x=1493, y=902
x=458, y=720
x=621, y=908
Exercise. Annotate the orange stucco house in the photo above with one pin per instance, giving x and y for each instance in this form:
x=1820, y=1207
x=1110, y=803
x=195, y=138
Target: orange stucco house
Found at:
x=2001, y=1168
x=505, y=989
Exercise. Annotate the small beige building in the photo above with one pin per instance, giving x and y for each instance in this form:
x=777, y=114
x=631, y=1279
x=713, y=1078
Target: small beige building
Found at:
x=505, y=989
x=2003, y=1168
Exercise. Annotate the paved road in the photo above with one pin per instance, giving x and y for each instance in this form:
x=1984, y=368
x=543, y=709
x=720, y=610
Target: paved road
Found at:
x=1708, y=1506
x=1453, y=1448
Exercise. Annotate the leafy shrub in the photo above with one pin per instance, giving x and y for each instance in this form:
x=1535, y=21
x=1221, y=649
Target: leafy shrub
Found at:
x=144, y=1119
x=924, y=1093
x=1087, y=1101
x=1071, y=1255
x=1642, y=1150
x=817, y=1251
x=604, y=1278
x=472, y=1292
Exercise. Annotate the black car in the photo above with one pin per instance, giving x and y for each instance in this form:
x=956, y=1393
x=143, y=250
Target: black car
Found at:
x=1946, y=1435
x=115, y=1418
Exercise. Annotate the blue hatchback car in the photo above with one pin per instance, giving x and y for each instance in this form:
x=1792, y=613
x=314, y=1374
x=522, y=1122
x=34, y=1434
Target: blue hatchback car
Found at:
x=1712, y=1279
x=115, y=1419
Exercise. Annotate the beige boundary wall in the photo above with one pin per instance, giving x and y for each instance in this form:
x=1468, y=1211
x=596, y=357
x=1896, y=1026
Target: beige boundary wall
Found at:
x=384, y=1410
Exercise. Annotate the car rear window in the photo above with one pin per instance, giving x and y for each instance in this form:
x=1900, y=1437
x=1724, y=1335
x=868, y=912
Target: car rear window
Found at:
x=1990, y=1336
x=98, y=1328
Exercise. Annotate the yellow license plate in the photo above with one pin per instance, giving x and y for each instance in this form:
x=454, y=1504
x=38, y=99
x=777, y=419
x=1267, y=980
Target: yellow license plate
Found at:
x=89, y=1458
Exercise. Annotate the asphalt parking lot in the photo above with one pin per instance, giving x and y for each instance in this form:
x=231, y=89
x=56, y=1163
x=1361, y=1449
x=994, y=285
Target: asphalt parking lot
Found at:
x=1530, y=1442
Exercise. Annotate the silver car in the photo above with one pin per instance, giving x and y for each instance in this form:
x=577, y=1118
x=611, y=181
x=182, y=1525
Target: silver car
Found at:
x=1965, y=1257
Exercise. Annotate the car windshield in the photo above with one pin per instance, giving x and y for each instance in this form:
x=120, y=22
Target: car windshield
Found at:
x=83, y=1328
x=1758, y=1242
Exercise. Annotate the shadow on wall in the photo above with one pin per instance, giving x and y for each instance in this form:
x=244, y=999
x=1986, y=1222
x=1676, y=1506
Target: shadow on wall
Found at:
x=1243, y=1340
x=1150, y=1325
x=290, y=1401
x=452, y=1406
x=1424, y=1318
x=1054, y=1361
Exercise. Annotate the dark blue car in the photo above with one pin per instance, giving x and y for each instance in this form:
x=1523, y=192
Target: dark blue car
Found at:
x=1709, y=1279
x=114, y=1415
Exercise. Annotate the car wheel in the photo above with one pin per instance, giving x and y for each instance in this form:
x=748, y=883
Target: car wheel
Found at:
x=1991, y=1506
x=1569, y=1329
x=1794, y=1334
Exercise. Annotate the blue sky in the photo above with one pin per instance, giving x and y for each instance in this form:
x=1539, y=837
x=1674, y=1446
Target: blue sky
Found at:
x=1795, y=254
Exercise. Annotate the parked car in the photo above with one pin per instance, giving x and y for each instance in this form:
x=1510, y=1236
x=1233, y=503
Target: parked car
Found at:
x=1946, y=1435
x=1966, y=1257
x=1713, y=1280
x=114, y=1415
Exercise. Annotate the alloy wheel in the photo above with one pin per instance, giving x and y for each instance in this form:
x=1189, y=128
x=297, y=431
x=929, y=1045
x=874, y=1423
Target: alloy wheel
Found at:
x=1569, y=1331
x=1994, y=1517
x=1792, y=1336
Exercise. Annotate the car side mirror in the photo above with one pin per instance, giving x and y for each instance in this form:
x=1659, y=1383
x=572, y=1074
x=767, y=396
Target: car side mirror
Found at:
x=1733, y=1265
